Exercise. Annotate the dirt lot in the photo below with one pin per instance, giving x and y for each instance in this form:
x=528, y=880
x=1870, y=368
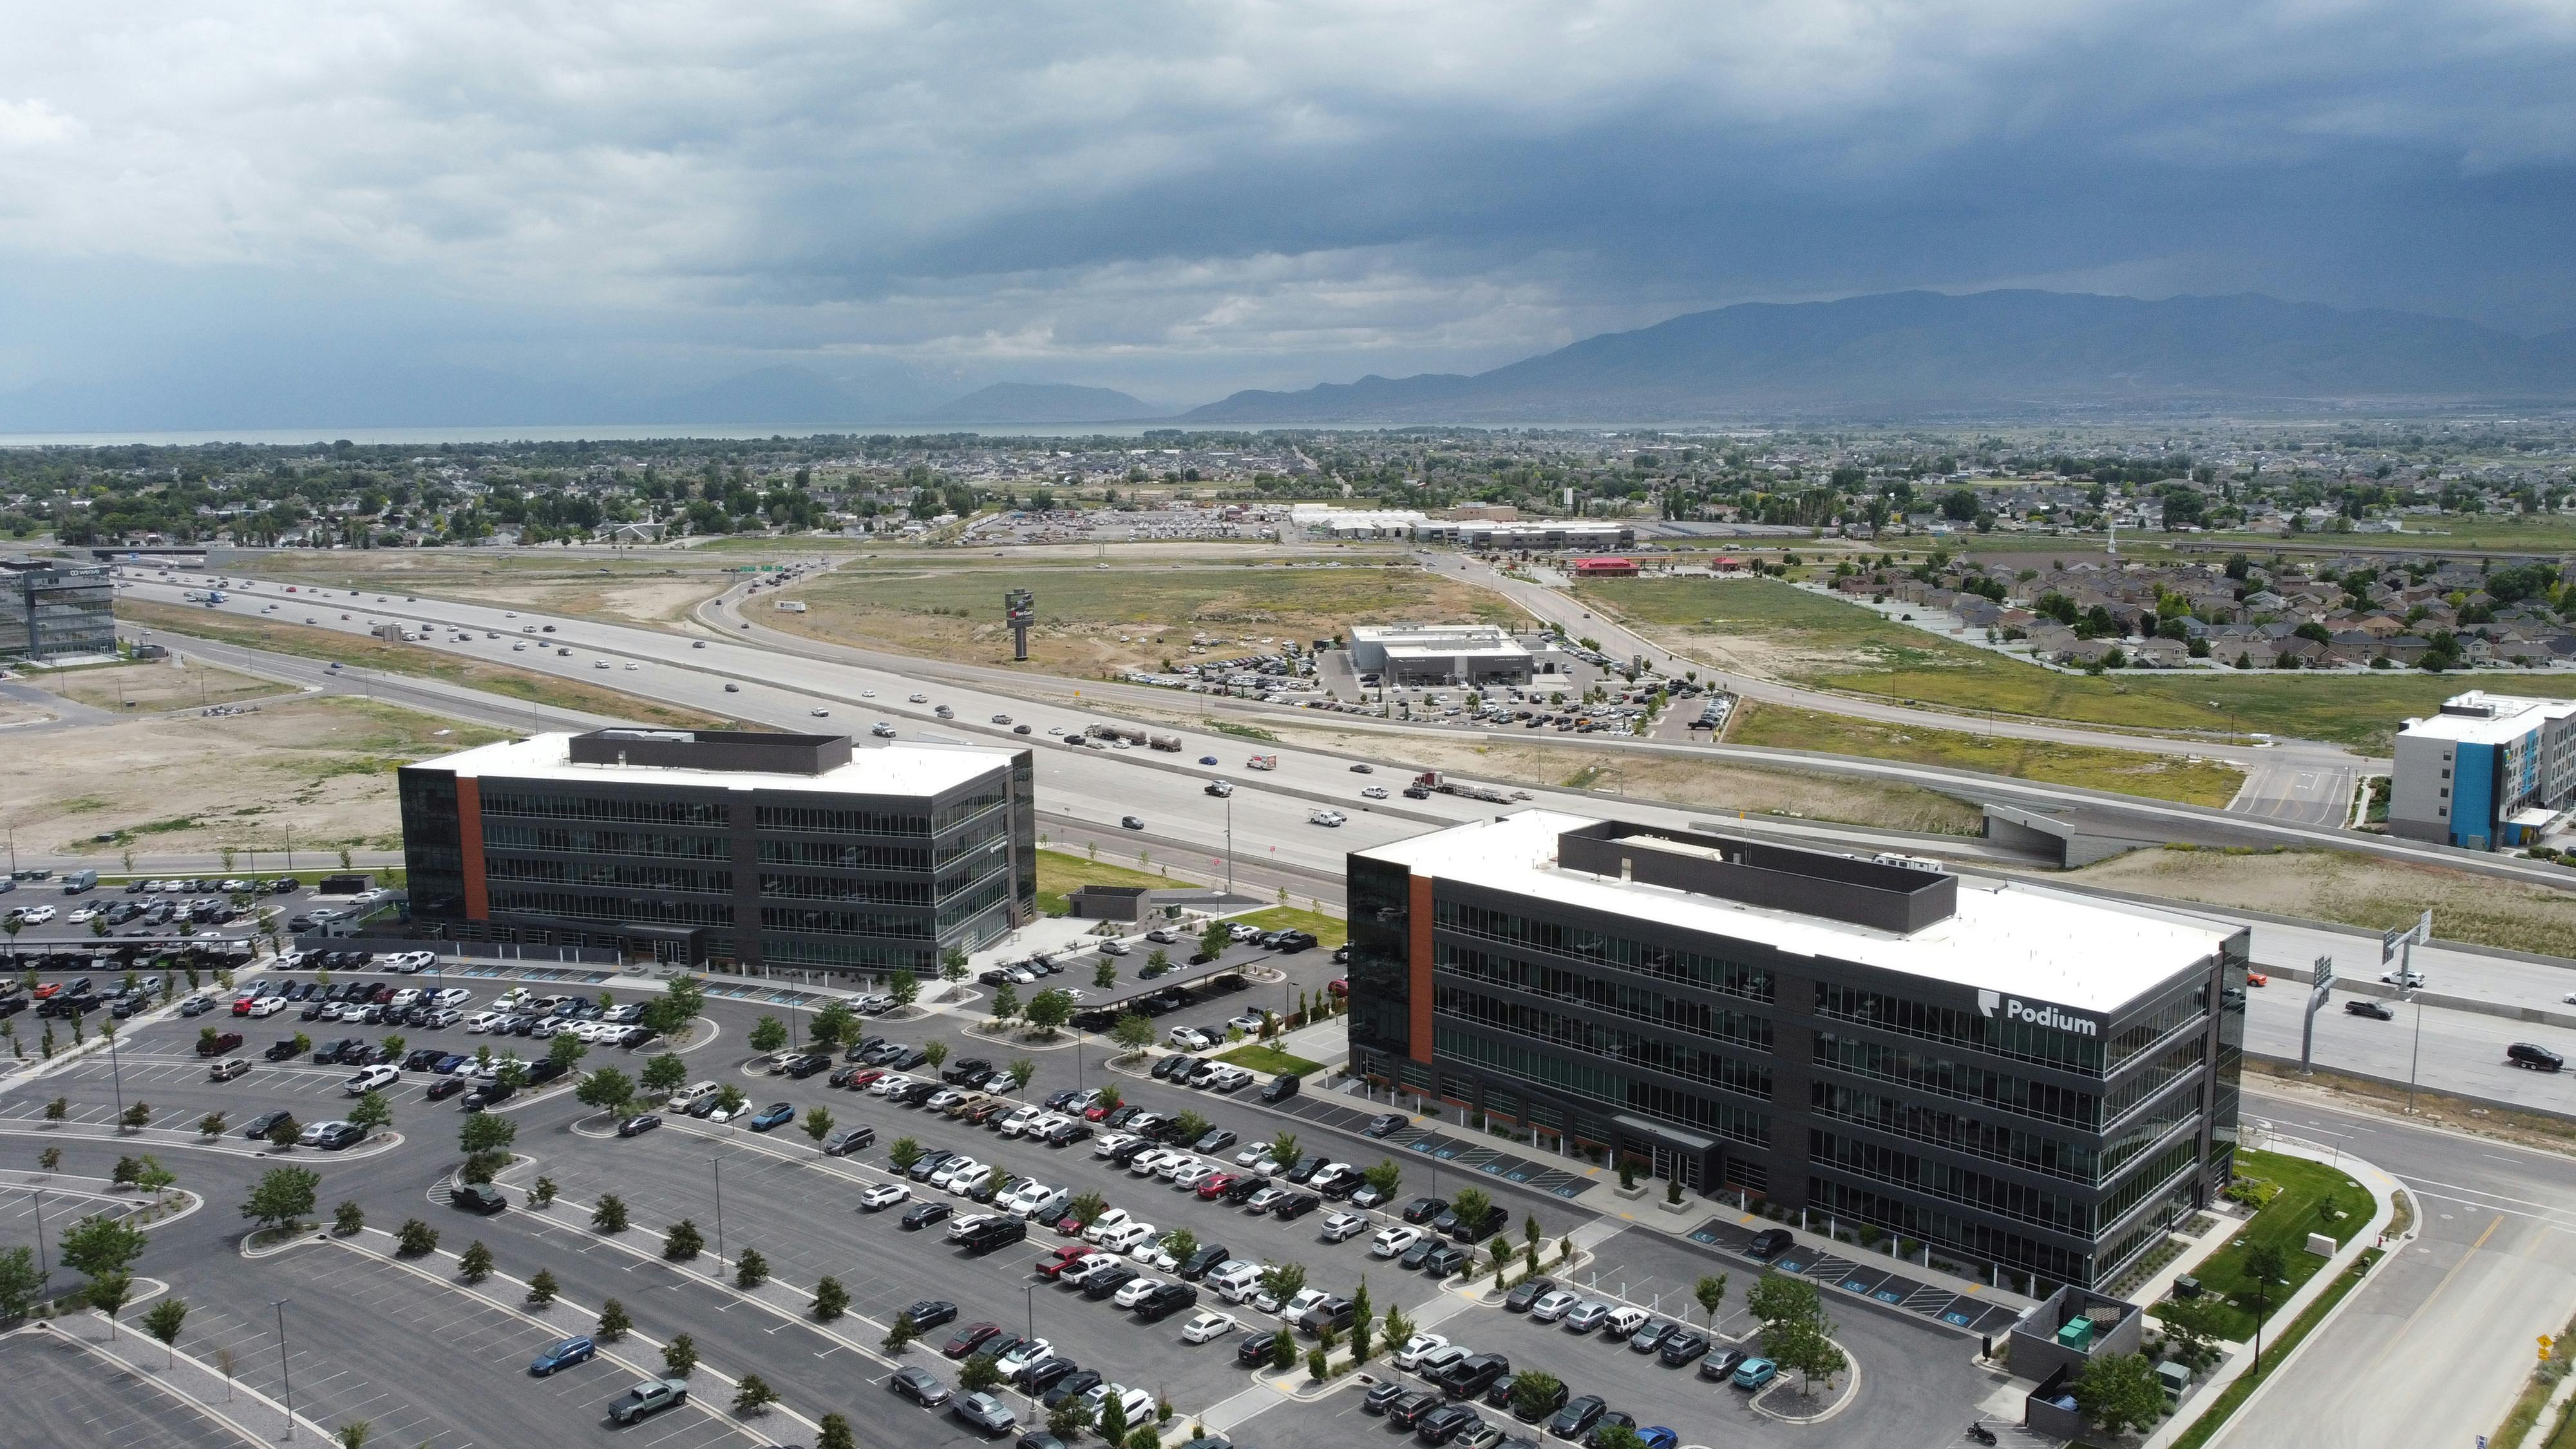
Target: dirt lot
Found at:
x=318, y=766
x=1098, y=622
x=2353, y=889
x=173, y=683
x=654, y=589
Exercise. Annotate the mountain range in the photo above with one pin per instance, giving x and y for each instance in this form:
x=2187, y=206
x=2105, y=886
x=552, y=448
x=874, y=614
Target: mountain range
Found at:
x=1887, y=356
x=1914, y=353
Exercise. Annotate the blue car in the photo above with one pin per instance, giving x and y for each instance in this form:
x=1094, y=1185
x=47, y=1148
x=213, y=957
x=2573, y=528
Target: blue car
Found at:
x=564, y=1354
x=1753, y=1373
x=1656, y=1436
x=776, y=1114
x=452, y=1063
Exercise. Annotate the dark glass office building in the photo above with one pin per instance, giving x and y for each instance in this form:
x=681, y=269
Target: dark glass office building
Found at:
x=49, y=610
x=2022, y=1079
x=730, y=849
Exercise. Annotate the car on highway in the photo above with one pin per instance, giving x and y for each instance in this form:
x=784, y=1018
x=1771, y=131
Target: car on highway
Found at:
x=563, y=1354
x=1130, y=822
x=2364, y=1006
x=2532, y=1057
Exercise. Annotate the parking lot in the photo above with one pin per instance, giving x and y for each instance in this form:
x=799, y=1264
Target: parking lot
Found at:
x=424, y=1365
x=59, y=1394
x=799, y=1209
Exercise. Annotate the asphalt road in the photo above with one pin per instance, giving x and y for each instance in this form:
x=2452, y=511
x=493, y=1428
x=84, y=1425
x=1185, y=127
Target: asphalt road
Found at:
x=2433, y=1349
x=57, y=1394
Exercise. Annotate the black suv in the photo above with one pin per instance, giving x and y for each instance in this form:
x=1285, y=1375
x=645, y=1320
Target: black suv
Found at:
x=2532, y=1057
x=1769, y=1244
x=998, y=1232
x=478, y=1197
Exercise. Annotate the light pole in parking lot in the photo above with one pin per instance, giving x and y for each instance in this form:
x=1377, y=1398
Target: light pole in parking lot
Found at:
x=284, y=1382
x=1029, y=1296
x=718, y=1164
x=115, y=1069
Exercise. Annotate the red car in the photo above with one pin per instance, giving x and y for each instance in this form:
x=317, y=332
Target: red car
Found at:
x=242, y=1005
x=1339, y=986
x=46, y=992
x=1068, y=1227
x=1054, y=1263
x=2257, y=978
x=970, y=1338
x=859, y=1083
x=1098, y=1110
x=1214, y=1187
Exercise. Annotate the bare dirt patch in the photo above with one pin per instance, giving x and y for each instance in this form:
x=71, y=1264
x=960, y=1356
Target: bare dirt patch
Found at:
x=2356, y=890
x=656, y=590
x=172, y=683
x=318, y=767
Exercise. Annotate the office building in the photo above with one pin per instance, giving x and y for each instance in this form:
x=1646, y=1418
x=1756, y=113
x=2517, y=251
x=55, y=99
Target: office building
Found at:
x=1435, y=654
x=725, y=848
x=2025, y=1081
x=2490, y=770
x=53, y=610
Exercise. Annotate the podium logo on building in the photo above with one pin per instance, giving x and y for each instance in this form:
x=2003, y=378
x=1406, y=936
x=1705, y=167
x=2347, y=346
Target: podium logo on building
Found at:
x=1990, y=1003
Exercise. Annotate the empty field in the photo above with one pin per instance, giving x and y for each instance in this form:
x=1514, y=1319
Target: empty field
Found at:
x=173, y=683
x=2356, y=890
x=1767, y=628
x=655, y=588
x=2160, y=777
x=317, y=770
x=1094, y=621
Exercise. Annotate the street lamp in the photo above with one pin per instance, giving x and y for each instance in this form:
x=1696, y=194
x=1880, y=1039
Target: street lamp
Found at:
x=718, y=1164
x=284, y=1381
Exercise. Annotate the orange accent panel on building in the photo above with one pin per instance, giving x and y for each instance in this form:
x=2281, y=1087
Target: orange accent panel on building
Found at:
x=1418, y=968
x=469, y=840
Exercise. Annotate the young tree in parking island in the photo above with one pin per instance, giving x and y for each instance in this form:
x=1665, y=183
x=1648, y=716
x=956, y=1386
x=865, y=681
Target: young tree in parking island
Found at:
x=903, y=1332
x=978, y=1374
x=348, y=1219
x=162, y=1321
x=832, y=1431
x=1711, y=1293
x=485, y=1139
x=904, y=1153
x=1283, y=1149
x=679, y=1356
x=904, y=987
x=1105, y=975
x=542, y=1288
x=753, y=1396
x=750, y=1269
x=613, y=1322
x=608, y=1215
x=935, y=1052
x=1086, y=1208
x=1384, y=1178
x=371, y=1112
x=608, y=1090
x=1020, y=1070
x=475, y=1263
x=415, y=1239
x=1471, y=1204
x=1133, y=1033
x=565, y=1050
x=1006, y=1003
x=952, y=964
x=831, y=1300
x=354, y=1434
x=768, y=1035
x=282, y=1195
x=664, y=1073
x=818, y=1125
x=832, y=1025
x=1214, y=940
x=1048, y=1011
x=682, y=1241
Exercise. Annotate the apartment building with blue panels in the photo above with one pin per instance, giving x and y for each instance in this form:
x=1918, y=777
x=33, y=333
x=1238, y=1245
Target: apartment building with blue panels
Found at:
x=2488, y=771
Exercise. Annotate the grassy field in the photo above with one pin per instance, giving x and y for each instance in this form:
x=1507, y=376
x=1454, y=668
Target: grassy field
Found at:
x=2285, y=1224
x=2356, y=890
x=1061, y=873
x=1766, y=627
x=1252, y=1056
x=156, y=684
x=1328, y=932
x=1097, y=621
x=373, y=653
x=2504, y=532
x=2161, y=777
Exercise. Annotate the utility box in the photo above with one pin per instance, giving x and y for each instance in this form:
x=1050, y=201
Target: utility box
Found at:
x=2175, y=1378
x=2321, y=1244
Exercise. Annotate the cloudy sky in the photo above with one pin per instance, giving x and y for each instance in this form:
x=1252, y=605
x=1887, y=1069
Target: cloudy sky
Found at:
x=1182, y=197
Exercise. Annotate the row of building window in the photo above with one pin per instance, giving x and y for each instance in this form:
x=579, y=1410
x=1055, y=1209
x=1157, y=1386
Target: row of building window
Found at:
x=840, y=820
x=1992, y=1035
x=1602, y=993
x=2189, y=1010
x=629, y=810
x=2183, y=1058
x=1959, y=1131
x=518, y=901
x=1949, y=1181
x=954, y=813
x=845, y=855
x=875, y=890
x=1537, y=1023
x=1583, y=1079
x=1963, y=1081
x=1989, y=1241
x=913, y=925
x=611, y=873
x=1601, y=948
x=657, y=844
x=783, y=950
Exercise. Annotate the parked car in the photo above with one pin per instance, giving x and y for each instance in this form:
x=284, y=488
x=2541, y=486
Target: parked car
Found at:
x=649, y=1397
x=919, y=1385
x=563, y=1354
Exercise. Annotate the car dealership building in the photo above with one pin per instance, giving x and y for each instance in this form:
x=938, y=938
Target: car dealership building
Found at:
x=2026, y=1081
x=734, y=849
